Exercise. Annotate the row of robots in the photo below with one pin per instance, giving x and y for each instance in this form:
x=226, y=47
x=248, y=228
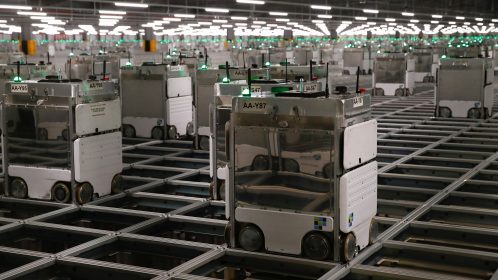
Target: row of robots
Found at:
x=294, y=160
x=462, y=76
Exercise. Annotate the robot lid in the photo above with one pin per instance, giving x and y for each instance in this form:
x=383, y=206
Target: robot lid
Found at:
x=62, y=88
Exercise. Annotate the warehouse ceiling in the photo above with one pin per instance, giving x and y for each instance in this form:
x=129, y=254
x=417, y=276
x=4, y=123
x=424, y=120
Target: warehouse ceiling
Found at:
x=87, y=12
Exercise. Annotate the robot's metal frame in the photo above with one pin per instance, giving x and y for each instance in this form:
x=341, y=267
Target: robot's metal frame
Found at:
x=61, y=140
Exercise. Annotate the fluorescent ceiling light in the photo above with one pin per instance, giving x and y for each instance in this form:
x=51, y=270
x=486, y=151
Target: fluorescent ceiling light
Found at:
x=220, y=20
x=494, y=20
x=466, y=23
x=205, y=23
x=56, y=22
x=184, y=15
x=112, y=12
x=414, y=20
x=390, y=19
x=217, y=10
x=360, y=18
x=110, y=17
x=371, y=23
x=480, y=24
x=172, y=19
x=479, y=19
x=370, y=11
x=321, y=7
x=272, y=25
x=239, y=18
x=259, y=22
x=278, y=14
x=226, y=25
x=434, y=21
x=317, y=21
x=346, y=22
x=437, y=16
x=241, y=24
x=325, y=16
x=42, y=18
x=15, y=7
x=460, y=18
x=255, y=2
x=452, y=22
x=282, y=19
x=406, y=14
x=31, y=13
x=133, y=5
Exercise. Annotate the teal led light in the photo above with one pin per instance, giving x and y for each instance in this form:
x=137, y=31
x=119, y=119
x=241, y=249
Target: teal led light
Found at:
x=226, y=80
x=204, y=67
x=443, y=56
x=71, y=54
x=267, y=64
x=128, y=64
x=246, y=92
x=17, y=79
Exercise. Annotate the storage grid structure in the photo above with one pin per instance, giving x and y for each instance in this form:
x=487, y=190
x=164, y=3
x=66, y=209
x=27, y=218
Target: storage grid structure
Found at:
x=436, y=213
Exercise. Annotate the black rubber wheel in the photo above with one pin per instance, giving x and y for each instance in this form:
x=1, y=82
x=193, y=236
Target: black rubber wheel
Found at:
x=250, y=238
x=226, y=233
x=316, y=246
x=204, y=143
x=18, y=188
x=42, y=134
x=128, y=131
x=291, y=165
x=61, y=192
x=444, y=112
x=157, y=133
x=260, y=162
x=373, y=232
x=172, y=132
x=190, y=129
x=117, y=184
x=84, y=193
x=348, y=247
x=328, y=169
x=474, y=113
x=221, y=191
x=65, y=134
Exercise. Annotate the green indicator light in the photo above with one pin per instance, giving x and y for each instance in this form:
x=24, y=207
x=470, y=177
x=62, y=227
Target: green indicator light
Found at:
x=226, y=80
x=268, y=64
x=17, y=79
x=71, y=54
x=246, y=92
x=443, y=56
x=204, y=67
x=128, y=64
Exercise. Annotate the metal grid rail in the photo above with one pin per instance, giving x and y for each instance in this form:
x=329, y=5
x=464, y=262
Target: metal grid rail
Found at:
x=436, y=213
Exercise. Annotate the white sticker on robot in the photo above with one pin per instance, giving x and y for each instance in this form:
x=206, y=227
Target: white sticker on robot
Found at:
x=95, y=85
x=357, y=101
x=310, y=87
x=19, y=88
x=251, y=106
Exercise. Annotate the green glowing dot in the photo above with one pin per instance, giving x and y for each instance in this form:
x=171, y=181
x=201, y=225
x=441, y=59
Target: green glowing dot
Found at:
x=226, y=80
x=204, y=67
x=246, y=92
x=17, y=79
